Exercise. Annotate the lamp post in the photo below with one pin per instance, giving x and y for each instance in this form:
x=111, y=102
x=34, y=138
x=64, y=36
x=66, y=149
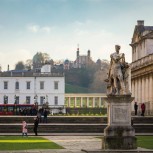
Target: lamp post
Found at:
x=15, y=111
x=46, y=100
x=35, y=101
x=15, y=99
x=5, y=99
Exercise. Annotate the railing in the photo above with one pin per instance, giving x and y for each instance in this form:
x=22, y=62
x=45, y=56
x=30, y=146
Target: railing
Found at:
x=30, y=74
x=142, y=62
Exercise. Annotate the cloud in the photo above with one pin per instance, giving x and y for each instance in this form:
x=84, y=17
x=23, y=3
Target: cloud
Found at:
x=46, y=29
x=33, y=28
x=37, y=28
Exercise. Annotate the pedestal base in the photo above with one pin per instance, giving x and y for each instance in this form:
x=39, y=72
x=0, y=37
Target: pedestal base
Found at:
x=119, y=134
x=126, y=143
x=119, y=137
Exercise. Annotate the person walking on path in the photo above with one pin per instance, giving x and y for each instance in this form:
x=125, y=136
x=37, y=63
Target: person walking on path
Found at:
x=36, y=122
x=45, y=116
x=39, y=116
x=143, y=108
x=24, y=128
x=135, y=108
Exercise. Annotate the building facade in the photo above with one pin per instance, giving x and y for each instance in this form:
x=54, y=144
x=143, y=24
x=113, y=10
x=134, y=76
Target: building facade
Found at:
x=142, y=66
x=27, y=87
x=82, y=61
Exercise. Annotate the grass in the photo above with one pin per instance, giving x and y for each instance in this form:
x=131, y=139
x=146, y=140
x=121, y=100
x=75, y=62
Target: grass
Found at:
x=145, y=142
x=26, y=143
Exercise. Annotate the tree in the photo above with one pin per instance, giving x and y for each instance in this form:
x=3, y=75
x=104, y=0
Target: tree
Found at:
x=28, y=64
x=98, y=84
x=19, y=66
x=41, y=57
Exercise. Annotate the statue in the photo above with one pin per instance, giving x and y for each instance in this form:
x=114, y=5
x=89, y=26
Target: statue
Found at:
x=118, y=76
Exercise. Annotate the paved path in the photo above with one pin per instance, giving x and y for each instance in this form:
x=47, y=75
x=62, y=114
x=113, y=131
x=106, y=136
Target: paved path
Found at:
x=76, y=143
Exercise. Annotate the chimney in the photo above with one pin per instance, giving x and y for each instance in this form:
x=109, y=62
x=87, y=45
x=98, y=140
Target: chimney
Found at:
x=8, y=68
x=140, y=23
x=88, y=53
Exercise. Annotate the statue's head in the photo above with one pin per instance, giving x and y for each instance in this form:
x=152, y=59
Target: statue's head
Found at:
x=117, y=48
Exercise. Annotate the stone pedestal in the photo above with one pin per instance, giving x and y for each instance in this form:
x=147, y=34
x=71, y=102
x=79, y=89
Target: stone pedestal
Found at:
x=119, y=134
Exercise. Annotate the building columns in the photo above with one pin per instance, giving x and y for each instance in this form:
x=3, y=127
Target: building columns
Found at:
x=93, y=102
x=69, y=104
x=136, y=91
x=81, y=103
x=87, y=102
x=143, y=89
x=74, y=101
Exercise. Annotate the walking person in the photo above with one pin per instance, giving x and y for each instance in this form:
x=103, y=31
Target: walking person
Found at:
x=36, y=122
x=24, y=128
x=39, y=116
x=45, y=116
x=135, y=108
x=143, y=108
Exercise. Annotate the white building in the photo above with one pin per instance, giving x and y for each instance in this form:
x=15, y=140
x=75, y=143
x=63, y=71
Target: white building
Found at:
x=27, y=87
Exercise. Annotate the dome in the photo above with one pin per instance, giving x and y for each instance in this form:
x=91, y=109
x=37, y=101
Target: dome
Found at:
x=98, y=61
x=66, y=61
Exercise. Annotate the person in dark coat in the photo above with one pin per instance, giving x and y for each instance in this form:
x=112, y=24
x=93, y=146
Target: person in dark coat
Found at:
x=36, y=122
x=45, y=116
x=143, y=108
x=135, y=108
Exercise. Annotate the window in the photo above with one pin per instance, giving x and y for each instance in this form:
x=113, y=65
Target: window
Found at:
x=42, y=99
x=56, y=100
x=28, y=84
x=16, y=85
x=41, y=84
x=56, y=85
x=27, y=99
x=5, y=99
x=5, y=85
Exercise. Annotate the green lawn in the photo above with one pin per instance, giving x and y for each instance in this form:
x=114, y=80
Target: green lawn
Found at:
x=25, y=143
x=145, y=142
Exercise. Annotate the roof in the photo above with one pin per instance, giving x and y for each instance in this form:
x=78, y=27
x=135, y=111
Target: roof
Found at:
x=139, y=32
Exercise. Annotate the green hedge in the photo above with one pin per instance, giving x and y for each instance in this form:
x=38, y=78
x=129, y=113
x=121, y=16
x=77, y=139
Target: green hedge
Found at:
x=102, y=111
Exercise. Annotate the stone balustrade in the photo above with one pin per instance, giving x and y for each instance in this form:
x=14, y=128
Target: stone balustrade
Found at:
x=142, y=62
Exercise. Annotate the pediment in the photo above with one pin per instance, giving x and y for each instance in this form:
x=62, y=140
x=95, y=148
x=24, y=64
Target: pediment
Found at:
x=137, y=34
x=140, y=33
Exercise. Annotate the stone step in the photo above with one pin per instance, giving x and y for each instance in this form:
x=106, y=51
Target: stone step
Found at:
x=54, y=119
x=69, y=128
x=71, y=119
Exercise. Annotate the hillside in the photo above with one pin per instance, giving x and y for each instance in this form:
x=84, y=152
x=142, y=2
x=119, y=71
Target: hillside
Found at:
x=75, y=89
x=87, y=80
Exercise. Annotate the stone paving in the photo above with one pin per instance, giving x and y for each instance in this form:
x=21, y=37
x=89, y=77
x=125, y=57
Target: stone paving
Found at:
x=76, y=143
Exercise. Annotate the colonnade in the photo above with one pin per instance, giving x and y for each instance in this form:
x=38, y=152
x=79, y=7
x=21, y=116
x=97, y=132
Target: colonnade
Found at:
x=142, y=90
x=85, y=100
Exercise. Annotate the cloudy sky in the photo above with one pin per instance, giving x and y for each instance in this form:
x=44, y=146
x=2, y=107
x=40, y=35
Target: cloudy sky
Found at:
x=57, y=26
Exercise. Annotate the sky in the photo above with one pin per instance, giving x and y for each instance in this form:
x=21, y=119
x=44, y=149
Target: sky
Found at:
x=57, y=27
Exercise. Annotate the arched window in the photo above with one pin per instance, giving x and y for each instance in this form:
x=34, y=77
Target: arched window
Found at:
x=16, y=85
